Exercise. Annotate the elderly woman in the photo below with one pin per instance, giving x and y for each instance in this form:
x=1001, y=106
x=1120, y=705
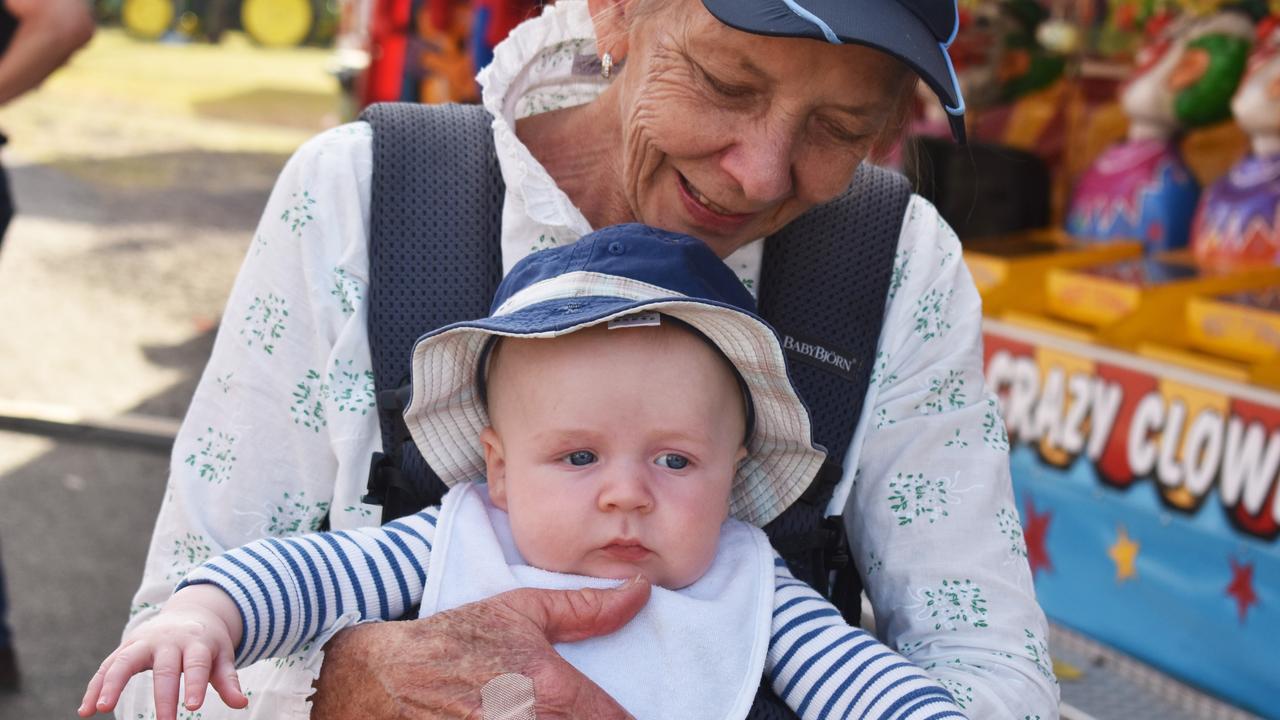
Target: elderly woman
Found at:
x=723, y=119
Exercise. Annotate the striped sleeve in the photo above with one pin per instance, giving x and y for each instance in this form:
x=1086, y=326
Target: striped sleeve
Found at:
x=822, y=667
x=289, y=591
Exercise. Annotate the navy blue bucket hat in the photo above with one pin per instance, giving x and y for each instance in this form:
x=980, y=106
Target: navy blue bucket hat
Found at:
x=917, y=32
x=622, y=276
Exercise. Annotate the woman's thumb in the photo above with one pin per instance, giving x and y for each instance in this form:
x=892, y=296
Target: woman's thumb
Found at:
x=572, y=615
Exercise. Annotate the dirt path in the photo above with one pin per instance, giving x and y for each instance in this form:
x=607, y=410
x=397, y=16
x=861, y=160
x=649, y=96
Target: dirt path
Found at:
x=139, y=172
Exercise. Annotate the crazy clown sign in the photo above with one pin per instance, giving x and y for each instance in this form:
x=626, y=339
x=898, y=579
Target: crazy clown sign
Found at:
x=1149, y=503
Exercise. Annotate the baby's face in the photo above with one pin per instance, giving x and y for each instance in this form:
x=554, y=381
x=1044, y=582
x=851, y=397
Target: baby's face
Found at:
x=613, y=451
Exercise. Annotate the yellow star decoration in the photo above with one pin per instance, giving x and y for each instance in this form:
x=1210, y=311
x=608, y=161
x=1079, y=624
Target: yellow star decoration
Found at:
x=1124, y=552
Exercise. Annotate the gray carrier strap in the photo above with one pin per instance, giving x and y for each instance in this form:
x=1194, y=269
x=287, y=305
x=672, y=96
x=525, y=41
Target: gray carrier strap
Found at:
x=434, y=258
x=823, y=287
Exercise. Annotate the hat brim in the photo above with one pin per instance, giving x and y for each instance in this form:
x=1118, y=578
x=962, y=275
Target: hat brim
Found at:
x=446, y=415
x=878, y=24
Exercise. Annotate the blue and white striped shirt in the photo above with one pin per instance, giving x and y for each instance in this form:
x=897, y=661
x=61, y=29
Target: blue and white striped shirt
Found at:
x=289, y=591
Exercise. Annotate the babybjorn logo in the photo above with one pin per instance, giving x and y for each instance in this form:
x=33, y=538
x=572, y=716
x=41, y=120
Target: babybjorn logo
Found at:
x=820, y=356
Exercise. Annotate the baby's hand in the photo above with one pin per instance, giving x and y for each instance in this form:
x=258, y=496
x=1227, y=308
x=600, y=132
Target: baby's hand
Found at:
x=195, y=634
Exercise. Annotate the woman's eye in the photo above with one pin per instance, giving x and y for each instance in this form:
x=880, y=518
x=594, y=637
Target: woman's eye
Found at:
x=723, y=88
x=840, y=134
x=673, y=461
x=579, y=458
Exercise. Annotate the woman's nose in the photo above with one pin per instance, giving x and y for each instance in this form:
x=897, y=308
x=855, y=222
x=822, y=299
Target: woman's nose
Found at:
x=626, y=489
x=761, y=164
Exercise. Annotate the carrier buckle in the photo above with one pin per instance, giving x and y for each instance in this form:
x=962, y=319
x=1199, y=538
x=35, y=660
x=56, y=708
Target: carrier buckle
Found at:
x=382, y=476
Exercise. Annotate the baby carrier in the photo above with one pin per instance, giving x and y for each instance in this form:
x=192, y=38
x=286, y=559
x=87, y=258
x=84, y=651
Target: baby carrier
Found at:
x=435, y=259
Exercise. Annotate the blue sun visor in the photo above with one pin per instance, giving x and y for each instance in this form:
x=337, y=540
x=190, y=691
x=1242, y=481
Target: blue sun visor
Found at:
x=916, y=32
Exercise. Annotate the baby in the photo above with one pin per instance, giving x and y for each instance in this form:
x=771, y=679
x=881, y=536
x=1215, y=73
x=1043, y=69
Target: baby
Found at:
x=622, y=413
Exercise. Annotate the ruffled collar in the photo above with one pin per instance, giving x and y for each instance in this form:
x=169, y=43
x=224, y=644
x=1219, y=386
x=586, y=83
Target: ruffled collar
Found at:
x=533, y=70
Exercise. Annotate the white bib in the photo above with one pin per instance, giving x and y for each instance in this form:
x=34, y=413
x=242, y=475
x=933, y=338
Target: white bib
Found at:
x=693, y=653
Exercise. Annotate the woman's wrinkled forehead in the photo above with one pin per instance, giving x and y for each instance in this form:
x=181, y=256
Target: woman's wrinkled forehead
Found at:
x=845, y=75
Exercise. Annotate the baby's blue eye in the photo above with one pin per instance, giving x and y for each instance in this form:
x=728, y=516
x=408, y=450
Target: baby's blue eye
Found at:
x=580, y=457
x=672, y=461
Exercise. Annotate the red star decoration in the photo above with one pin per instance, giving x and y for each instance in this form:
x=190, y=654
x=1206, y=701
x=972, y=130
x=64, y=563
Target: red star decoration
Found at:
x=1241, y=587
x=1035, y=529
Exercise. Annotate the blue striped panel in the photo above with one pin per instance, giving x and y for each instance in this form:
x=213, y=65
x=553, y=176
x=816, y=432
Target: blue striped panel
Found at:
x=285, y=601
x=837, y=666
x=405, y=601
x=305, y=633
x=242, y=649
x=789, y=604
x=333, y=580
x=374, y=575
x=926, y=696
x=842, y=664
x=793, y=583
x=804, y=667
x=827, y=611
x=913, y=677
x=411, y=557
x=318, y=590
x=361, y=607
x=271, y=614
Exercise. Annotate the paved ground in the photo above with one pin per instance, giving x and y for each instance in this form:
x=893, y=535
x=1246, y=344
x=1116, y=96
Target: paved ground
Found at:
x=139, y=172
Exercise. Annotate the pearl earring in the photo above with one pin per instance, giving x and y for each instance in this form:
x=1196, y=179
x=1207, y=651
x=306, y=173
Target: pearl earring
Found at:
x=606, y=65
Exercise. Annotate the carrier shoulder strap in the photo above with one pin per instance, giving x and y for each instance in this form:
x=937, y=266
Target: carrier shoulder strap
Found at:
x=435, y=258
x=824, y=286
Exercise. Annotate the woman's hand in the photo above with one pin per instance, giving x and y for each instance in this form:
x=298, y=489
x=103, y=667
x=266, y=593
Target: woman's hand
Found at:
x=195, y=635
x=436, y=667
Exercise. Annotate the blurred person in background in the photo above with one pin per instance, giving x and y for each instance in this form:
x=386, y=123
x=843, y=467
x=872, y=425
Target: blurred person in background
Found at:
x=721, y=119
x=36, y=37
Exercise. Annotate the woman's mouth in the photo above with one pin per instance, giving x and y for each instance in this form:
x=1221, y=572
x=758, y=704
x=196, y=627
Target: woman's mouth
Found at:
x=707, y=215
x=702, y=199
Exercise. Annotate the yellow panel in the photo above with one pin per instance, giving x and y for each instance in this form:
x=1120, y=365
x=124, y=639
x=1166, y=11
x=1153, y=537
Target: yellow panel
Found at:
x=1232, y=330
x=1194, y=360
x=988, y=272
x=1090, y=299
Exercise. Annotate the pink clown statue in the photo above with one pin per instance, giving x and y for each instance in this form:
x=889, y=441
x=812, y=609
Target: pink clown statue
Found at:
x=1141, y=188
x=1238, y=222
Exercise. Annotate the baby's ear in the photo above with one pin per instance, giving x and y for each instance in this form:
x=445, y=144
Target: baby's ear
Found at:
x=495, y=467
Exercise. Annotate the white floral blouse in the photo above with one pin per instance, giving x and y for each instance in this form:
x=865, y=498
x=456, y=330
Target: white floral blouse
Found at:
x=283, y=422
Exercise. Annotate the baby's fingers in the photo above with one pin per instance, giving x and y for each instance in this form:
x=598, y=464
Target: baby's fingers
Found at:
x=88, y=704
x=197, y=661
x=165, y=674
x=227, y=683
x=114, y=674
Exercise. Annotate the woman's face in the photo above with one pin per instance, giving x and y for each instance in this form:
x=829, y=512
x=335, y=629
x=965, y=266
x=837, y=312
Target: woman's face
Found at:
x=728, y=136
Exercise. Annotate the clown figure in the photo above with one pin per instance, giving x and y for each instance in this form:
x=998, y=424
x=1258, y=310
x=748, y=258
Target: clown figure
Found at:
x=1141, y=188
x=1238, y=222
